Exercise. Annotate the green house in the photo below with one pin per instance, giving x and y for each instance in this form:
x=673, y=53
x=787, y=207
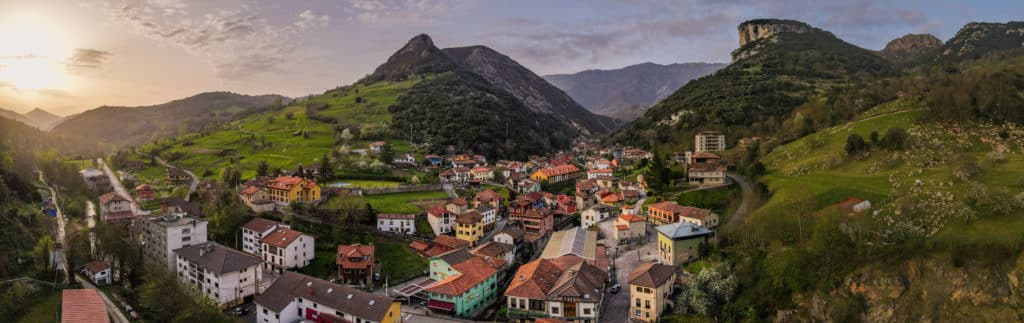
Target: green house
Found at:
x=465, y=283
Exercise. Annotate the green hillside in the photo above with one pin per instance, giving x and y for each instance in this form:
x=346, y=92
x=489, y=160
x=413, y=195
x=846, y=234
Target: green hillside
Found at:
x=289, y=137
x=951, y=198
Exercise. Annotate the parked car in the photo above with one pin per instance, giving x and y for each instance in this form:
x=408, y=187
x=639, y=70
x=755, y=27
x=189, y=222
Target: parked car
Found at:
x=241, y=310
x=614, y=289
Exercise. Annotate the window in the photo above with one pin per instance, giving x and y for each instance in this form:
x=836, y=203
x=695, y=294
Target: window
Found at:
x=554, y=310
x=637, y=302
x=586, y=311
x=637, y=313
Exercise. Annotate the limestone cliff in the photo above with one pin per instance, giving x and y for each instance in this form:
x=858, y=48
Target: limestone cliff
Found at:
x=910, y=47
x=752, y=31
x=978, y=39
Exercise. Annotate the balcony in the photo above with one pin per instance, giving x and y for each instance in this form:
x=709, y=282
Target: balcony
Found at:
x=515, y=312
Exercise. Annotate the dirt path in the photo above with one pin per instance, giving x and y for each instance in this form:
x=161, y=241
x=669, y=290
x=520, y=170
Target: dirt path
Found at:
x=747, y=196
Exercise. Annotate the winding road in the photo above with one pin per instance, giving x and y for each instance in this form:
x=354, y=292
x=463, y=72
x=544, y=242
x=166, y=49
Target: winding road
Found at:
x=195, y=180
x=119, y=188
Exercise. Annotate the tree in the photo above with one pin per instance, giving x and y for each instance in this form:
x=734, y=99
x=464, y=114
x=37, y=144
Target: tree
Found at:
x=43, y=251
x=262, y=168
x=874, y=137
x=895, y=138
x=289, y=116
x=855, y=143
x=707, y=292
x=326, y=172
x=387, y=153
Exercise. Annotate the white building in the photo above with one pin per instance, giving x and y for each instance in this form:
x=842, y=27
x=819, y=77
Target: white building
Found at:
x=226, y=275
x=490, y=215
x=595, y=214
x=295, y=297
x=286, y=249
x=440, y=219
x=255, y=230
x=98, y=272
x=709, y=141
x=397, y=223
x=599, y=172
x=161, y=235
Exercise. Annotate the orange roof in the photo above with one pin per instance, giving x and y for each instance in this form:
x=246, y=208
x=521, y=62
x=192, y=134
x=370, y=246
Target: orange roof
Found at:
x=471, y=217
x=96, y=266
x=631, y=217
x=260, y=224
x=418, y=246
x=473, y=271
x=355, y=251
x=534, y=279
x=667, y=206
x=281, y=237
x=250, y=190
x=622, y=227
x=559, y=170
x=288, y=182
x=481, y=169
x=450, y=242
x=110, y=197
x=437, y=211
x=83, y=306
x=611, y=198
x=487, y=196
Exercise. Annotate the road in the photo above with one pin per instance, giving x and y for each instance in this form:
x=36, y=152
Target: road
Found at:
x=112, y=308
x=195, y=180
x=119, y=187
x=90, y=217
x=60, y=259
x=626, y=258
x=450, y=189
x=747, y=196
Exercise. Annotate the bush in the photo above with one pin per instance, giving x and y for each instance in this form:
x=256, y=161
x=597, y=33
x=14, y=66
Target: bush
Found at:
x=855, y=143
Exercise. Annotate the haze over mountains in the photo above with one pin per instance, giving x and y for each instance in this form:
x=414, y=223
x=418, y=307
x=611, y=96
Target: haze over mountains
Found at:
x=37, y=118
x=627, y=92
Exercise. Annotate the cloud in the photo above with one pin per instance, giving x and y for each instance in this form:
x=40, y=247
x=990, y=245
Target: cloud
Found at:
x=405, y=11
x=237, y=41
x=84, y=59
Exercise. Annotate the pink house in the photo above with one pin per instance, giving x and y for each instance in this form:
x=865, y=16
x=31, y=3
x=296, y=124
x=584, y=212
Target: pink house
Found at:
x=538, y=223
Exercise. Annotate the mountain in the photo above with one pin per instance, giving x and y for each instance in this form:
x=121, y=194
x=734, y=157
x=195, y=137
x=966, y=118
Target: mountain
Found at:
x=626, y=92
x=11, y=115
x=418, y=56
x=44, y=119
x=979, y=39
x=779, y=66
x=910, y=47
x=137, y=125
x=535, y=92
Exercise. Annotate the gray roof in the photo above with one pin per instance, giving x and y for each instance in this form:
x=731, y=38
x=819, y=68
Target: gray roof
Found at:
x=217, y=258
x=483, y=208
x=576, y=241
x=682, y=230
x=343, y=298
x=455, y=256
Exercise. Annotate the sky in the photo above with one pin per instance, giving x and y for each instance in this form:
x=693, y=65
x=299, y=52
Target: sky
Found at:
x=67, y=56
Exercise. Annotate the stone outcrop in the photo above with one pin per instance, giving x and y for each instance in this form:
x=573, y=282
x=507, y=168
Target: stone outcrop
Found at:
x=766, y=28
x=977, y=39
x=910, y=46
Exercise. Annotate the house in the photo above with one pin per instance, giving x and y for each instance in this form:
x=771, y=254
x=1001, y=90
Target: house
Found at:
x=537, y=223
x=709, y=141
x=650, y=286
x=115, y=209
x=462, y=174
x=706, y=170
x=527, y=185
x=556, y=174
x=606, y=182
x=444, y=244
x=565, y=204
x=177, y=175
x=377, y=147
x=144, y=193
x=441, y=220
x=82, y=306
x=664, y=212
x=469, y=227
x=255, y=230
x=257, y=199
x=177, y=205
x=296, y=297
x=226, y=275
x=355, y=264
x=681, y=242
x=682, y=157
x=547, y=288
x=630, y=226
x=600, y=172
x=510, y=235
x=397, y=223
x=488, y=197
x=852, y=206
x=457, y=206
x=610, y=198
x=575, y=241
x=490, y=216
x=595, y=214
x=285, y=248
x=161, y=235
x=698, y=216
x=434, y=160
x=481, y=173
x=404, y=161
x=465, y=283
x=286, y=189
x=496, y=250
x=98, y=272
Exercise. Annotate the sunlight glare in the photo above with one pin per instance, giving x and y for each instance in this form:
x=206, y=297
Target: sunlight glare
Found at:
x=32, y=49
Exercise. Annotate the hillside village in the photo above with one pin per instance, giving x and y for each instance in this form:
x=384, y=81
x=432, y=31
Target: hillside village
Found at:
x=572, y=235
x=808, y=180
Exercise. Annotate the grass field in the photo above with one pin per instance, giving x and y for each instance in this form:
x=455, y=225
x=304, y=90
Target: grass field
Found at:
x=397, y=261
x=275, y=138
x=366, y=183
x=400, y=202
x=45, y=310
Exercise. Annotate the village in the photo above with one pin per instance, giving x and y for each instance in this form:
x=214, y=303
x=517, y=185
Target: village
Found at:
x=569, y=237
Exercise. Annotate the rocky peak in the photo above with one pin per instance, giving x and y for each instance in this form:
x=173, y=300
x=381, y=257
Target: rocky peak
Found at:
x=977, y=39
x=910, y=46
x=757, y=29
x=418, y=56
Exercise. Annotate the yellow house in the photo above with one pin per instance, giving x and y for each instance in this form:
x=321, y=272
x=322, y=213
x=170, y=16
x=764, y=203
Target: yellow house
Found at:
x=469, y=227
x=285, y=189
x=650, y=285
x=680, y=242
x=393, y=314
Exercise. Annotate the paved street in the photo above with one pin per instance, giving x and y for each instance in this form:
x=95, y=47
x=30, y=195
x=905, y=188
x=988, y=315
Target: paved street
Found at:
x=90, y=217
x=60, y=260
x=119, y=187
x=747, y=194
x=626, y=258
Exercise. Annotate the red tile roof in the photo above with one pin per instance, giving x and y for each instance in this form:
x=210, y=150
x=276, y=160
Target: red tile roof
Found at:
x=419, y=246
x=260, y=224
x=96, y=266
x=360, y=251
x=83, y=306
x=470, y=217
x=559, y=170
x=281, y=237
x=437, y=211
x=631, y=218
x=473, y=271
x=450, y=242
x=534, y=279
x=110, y=197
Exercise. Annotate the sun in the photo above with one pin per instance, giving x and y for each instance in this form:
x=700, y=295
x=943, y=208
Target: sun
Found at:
x=32, y=49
